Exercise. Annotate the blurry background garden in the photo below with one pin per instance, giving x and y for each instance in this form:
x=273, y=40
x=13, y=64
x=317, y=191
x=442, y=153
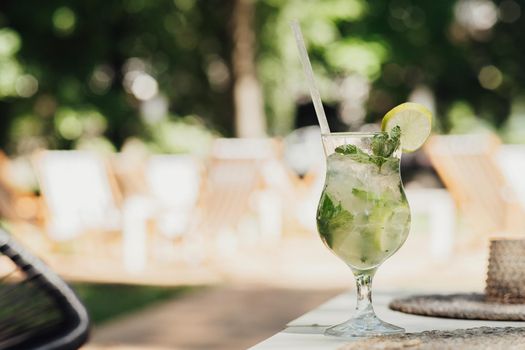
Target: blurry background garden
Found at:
x=163, y=156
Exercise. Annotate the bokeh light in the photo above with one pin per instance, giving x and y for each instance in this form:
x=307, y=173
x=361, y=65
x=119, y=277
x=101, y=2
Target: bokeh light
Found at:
x=184, y=5
x=26, y=85
x=490, y=77
x=9, y=42
x=154, y=110
x=10, y=70
x=68, y=124
x=218, y=73
x=144, y=86
x=101, y=79
x=74, y=124
x=476, y=15
x=354, y=94
x=64, y=20
x=509, y=11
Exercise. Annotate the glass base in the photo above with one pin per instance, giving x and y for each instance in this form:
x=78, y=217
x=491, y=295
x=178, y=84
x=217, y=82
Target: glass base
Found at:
x=363, y=326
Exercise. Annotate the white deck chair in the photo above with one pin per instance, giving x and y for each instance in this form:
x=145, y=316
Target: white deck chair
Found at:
x=174, y=182
x=79, y=193
x=304, y=154
x=511, y=162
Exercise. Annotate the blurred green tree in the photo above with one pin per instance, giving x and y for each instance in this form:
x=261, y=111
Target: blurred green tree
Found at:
x=108, y=70
x=76, y=69
x=372, y=55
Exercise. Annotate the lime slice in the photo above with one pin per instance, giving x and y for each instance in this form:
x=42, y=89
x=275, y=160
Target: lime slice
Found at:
x=415, y=121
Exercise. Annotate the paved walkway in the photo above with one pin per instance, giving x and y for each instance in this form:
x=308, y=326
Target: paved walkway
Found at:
x=226, y=318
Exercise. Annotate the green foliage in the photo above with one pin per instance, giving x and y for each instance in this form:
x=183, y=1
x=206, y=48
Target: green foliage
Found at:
x=278, y=63
x=513, y=131
x=398, y=46
x=182, y=135
x=76, y=55
x=462, y=120
x=10, y=68
x=356, y=56
x=79, y=52
x=105, y=302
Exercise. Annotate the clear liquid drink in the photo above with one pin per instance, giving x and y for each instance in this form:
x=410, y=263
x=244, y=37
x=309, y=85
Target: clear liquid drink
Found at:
x=363, y=214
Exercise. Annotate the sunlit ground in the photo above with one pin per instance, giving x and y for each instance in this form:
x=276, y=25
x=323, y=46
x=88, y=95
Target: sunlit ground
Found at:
x=304, y=262
x=261, y=288
x=267, y=287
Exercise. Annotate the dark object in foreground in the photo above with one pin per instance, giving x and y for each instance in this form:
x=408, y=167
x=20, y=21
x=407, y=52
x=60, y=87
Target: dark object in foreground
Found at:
x=39, y=310
x=499, y=338
x=461, y=306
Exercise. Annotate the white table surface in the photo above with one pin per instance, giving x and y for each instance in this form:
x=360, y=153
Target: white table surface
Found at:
x=306, y=332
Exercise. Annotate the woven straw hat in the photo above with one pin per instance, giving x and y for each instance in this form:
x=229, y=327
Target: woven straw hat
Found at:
x=504, y=298
x=506, y=272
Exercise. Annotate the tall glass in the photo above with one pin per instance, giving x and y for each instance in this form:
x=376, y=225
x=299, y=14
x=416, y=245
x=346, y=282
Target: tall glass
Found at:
x=363, y=217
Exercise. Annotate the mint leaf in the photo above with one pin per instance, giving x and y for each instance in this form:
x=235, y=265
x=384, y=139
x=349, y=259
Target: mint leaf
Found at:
x=351, y=150
x=331, y=217
x=379, y=142
x=347, y=149
x=354, y=153
x=378, y=160
x=364, y=195
x=394, y=140
x=383, y=147
x=395, y=134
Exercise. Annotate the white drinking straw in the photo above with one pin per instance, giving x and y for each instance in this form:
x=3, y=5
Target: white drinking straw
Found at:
x=307, y=66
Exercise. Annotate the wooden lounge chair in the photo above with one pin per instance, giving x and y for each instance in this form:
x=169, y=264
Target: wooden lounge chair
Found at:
x=6, y=193
x=467, y=165
x=234, y=176
x=37, y=309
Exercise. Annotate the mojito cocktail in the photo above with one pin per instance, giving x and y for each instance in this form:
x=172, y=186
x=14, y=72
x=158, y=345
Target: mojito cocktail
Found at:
x=363, y=215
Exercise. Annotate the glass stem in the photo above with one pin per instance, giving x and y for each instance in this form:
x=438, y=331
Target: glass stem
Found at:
x=364, y=293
